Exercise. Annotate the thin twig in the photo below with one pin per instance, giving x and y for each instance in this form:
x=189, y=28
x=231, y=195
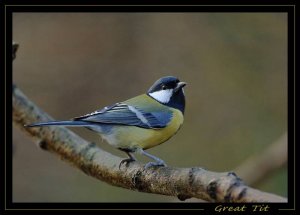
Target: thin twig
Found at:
x=256, y=168
x=15, y=47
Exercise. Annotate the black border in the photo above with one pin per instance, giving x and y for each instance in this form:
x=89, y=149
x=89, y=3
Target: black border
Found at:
x=9, y=8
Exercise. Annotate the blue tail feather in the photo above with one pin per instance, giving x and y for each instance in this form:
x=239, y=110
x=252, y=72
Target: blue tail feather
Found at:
x=59, y=123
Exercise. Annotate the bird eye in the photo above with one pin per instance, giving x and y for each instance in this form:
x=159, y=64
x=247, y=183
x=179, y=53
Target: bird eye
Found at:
x=163, y=87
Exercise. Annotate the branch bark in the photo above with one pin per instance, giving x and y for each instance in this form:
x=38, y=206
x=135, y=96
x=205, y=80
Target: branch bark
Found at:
x=181, y=182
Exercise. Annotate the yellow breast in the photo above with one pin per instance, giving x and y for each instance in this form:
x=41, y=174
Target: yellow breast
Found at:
x=136, y=137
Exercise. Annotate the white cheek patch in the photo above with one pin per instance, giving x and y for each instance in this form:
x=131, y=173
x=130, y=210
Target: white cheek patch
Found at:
x=162, y=96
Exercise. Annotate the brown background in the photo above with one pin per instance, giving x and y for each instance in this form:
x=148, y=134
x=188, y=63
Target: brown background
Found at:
x=70, y=64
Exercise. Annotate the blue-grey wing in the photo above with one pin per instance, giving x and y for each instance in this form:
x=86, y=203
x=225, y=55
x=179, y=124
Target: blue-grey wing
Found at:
x=124, y=114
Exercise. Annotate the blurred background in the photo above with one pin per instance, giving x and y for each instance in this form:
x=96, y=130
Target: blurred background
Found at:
x=235, y=65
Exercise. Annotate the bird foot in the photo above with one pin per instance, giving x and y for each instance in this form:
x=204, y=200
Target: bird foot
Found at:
x=126, y=160
x=151, y=164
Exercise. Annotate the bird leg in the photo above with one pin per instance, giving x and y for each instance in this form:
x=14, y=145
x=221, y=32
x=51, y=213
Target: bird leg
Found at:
x=158, y=161
x=127, y=160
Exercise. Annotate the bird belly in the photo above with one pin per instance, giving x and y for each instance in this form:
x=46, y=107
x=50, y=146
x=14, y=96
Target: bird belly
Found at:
x=132, y=137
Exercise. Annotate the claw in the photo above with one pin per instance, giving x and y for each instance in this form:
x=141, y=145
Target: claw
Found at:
x=126, y=160
x=151, y=164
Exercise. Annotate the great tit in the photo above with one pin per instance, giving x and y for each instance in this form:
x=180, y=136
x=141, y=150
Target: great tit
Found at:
x=138, y=123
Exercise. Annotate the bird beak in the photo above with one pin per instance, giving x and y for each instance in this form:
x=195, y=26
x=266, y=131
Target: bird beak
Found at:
x=179, y=86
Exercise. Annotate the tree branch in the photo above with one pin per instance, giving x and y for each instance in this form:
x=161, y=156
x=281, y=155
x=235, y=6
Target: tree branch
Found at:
x=181, y=182
x=268, y=161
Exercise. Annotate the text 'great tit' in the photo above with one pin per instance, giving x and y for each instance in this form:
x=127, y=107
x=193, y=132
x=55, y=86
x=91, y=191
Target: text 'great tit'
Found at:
x=138, y=123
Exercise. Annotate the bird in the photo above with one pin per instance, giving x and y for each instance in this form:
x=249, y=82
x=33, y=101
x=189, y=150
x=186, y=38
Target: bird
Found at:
x=139, y=123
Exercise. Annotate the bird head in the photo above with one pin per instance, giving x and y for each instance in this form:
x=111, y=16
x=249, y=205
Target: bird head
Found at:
x=169, y=91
